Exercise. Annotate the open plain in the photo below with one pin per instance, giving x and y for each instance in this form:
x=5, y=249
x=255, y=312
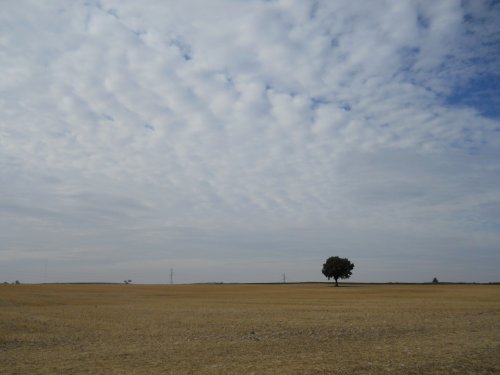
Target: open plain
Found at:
x=249, y=329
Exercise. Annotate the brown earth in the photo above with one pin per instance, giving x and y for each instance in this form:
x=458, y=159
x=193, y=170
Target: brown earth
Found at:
x=249, y=329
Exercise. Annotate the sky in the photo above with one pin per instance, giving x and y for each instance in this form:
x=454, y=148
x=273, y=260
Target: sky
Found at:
x=240, y=140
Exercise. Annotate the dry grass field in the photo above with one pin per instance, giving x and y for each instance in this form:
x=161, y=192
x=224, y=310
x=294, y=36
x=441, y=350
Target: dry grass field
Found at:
x=249, y=329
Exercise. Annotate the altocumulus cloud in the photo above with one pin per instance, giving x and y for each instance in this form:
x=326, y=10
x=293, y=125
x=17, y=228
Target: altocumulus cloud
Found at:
x=236, y=140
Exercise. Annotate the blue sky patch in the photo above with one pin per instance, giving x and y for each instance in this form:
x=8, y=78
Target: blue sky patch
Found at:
x=481, y=93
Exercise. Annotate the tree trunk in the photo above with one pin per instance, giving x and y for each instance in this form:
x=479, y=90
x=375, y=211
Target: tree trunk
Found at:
x=336, y=283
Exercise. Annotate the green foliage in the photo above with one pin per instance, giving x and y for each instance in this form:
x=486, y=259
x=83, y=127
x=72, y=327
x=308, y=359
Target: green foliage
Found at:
x=337, y=268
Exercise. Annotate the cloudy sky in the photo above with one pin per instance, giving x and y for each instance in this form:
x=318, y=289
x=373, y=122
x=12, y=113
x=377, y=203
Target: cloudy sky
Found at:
x=237, y=140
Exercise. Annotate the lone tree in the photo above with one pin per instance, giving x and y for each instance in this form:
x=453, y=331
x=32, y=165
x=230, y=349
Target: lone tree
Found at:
x=338, y=268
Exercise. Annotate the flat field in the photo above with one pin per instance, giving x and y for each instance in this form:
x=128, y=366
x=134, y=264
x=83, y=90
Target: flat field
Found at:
x=249, y=329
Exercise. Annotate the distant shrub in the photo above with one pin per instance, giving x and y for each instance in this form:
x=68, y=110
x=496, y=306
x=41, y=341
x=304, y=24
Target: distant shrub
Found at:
x=435, y=281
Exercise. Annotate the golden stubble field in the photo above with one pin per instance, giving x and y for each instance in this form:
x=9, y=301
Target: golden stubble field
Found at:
x=249, y=329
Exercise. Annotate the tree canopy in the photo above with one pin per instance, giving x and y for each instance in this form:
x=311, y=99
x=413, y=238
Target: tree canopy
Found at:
x=337, y=268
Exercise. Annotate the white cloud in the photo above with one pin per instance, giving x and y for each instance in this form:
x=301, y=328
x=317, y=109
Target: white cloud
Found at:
x=169, y=130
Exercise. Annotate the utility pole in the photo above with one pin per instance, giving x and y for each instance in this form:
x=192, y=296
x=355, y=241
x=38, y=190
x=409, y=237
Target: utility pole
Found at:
x=284, y=278
x=171, y=276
